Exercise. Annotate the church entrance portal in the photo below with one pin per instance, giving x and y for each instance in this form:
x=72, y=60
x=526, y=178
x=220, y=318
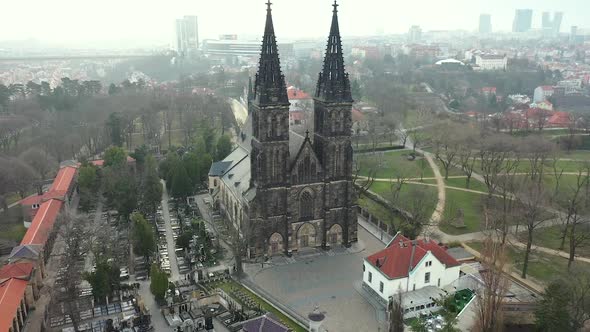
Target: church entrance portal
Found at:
x=335, y=234
x=275, y=244
x=306, y=236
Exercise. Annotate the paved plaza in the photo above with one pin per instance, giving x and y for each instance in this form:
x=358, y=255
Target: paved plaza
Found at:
x=330, y=280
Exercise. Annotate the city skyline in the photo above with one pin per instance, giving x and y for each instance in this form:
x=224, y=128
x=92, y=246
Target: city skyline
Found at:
x=154, y=24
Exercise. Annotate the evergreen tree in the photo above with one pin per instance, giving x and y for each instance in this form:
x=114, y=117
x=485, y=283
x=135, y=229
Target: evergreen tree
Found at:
x=224, y=147
x=144, y=239
x=159, y=282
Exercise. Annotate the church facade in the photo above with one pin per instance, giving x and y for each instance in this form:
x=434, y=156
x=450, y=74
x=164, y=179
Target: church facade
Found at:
x=285, y=191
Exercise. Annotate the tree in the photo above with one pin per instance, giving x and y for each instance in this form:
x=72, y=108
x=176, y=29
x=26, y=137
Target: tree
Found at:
x=159, y=282
x=183, y=241
x=355, y=88
x=224, y=147
x=152, y=186
x=144, y=239
x=104, y=279
x=446, y=145
x=116, y=128
x=565, y=305
x=180, y=182
x=532, y=201
x=489, y=314
x=115, y=156
x=396, y=313
x=39, y=160
x=416, y=202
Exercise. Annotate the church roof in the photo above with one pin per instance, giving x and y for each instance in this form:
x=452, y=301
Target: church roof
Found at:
x=25, y=251
x=269, y=86
x=333, y=83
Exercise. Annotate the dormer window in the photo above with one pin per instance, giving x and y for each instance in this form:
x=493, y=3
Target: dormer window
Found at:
x=35, y=206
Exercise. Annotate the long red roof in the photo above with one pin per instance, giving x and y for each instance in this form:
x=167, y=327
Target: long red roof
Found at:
x=63, y=180
x=12, y=292
x=402, y=255
x=43, y=223
x=16, y=270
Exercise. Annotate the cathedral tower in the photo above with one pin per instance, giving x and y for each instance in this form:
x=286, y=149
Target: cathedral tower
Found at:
x=332, y=136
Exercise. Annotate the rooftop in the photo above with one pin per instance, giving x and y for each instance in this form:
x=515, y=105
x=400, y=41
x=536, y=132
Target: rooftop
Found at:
x=43, y=223
x=16, y=270
x=11, y=293
x=264, y=324
x=402, y=255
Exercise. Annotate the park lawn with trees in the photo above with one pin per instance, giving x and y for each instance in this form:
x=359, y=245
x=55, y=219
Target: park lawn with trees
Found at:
x=388, y=165
x=543, y=267
x=229, y=286
x=550, y=237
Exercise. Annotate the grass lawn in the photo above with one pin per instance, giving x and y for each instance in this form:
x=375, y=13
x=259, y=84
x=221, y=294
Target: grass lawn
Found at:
x=377, y=210
x=392, y=164
x=550, y=237
x=14, y=232
x=542, y=267
x=470, y=204
x=384, y=189
x=230, y=286
x=473, y=184
x=576, y=154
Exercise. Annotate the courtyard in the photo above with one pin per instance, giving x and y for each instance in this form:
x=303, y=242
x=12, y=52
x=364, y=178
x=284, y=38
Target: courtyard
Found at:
x=331, y=280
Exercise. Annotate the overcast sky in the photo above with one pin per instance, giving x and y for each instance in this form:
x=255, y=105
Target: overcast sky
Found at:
x=152, y=21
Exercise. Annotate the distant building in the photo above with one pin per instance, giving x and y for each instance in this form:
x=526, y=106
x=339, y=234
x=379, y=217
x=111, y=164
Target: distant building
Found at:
x=542, y=93
x=485, y=23
x=415, y=34
x=488, y=91
x=491, y=62
x=552, y=25
x=523, y=19
x=408, y=265
x=187, y=35
x=245, y=48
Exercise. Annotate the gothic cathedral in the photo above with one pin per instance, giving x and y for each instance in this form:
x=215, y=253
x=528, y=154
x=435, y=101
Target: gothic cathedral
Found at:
x=284, y=191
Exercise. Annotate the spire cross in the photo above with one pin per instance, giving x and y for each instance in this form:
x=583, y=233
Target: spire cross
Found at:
x=335, y=5
x=268, y=3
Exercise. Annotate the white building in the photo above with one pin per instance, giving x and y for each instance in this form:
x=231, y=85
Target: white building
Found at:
x=542, y=93
x=491, y=62
x=408, y=265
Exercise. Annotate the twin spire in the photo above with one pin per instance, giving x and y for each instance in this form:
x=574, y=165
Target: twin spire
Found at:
x=269, y=86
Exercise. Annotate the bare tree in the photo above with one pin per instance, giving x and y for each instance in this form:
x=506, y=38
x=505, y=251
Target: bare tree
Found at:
x=538, y=151
x=489, y=314
x=494, y=154
x=532, y=199
x=446, y=145
x=39, y=160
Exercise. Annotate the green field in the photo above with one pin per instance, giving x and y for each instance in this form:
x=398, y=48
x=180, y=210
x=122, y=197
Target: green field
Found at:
x=542, y=267
x=229, y=286
x=390, y=165
x=14, y=232
x=470, y=204
x=473, y=184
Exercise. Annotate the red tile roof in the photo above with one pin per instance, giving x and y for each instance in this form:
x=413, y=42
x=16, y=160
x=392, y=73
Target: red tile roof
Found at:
x=64, y=179
x=16, y=270
x=402, y=255
x=546, y=88
x=296, y=94
x=43, y=223
x=12, y=292
x=357, y=116
x=297, y=115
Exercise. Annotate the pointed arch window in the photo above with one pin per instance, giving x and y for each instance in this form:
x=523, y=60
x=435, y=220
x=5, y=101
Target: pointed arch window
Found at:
x=306, y=206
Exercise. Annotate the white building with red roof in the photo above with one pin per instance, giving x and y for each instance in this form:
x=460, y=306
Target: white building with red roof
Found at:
x=409, y=265
x=542, y=93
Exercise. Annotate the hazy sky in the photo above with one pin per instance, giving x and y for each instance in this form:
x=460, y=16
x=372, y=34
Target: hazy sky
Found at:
x=151, y=21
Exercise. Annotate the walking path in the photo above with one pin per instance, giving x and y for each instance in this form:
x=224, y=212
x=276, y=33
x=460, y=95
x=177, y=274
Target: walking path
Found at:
x=174, y=273
x=521, y=245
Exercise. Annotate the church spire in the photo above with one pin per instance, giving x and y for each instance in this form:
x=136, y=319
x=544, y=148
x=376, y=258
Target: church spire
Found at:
x=269, y=85
x=333, y=83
